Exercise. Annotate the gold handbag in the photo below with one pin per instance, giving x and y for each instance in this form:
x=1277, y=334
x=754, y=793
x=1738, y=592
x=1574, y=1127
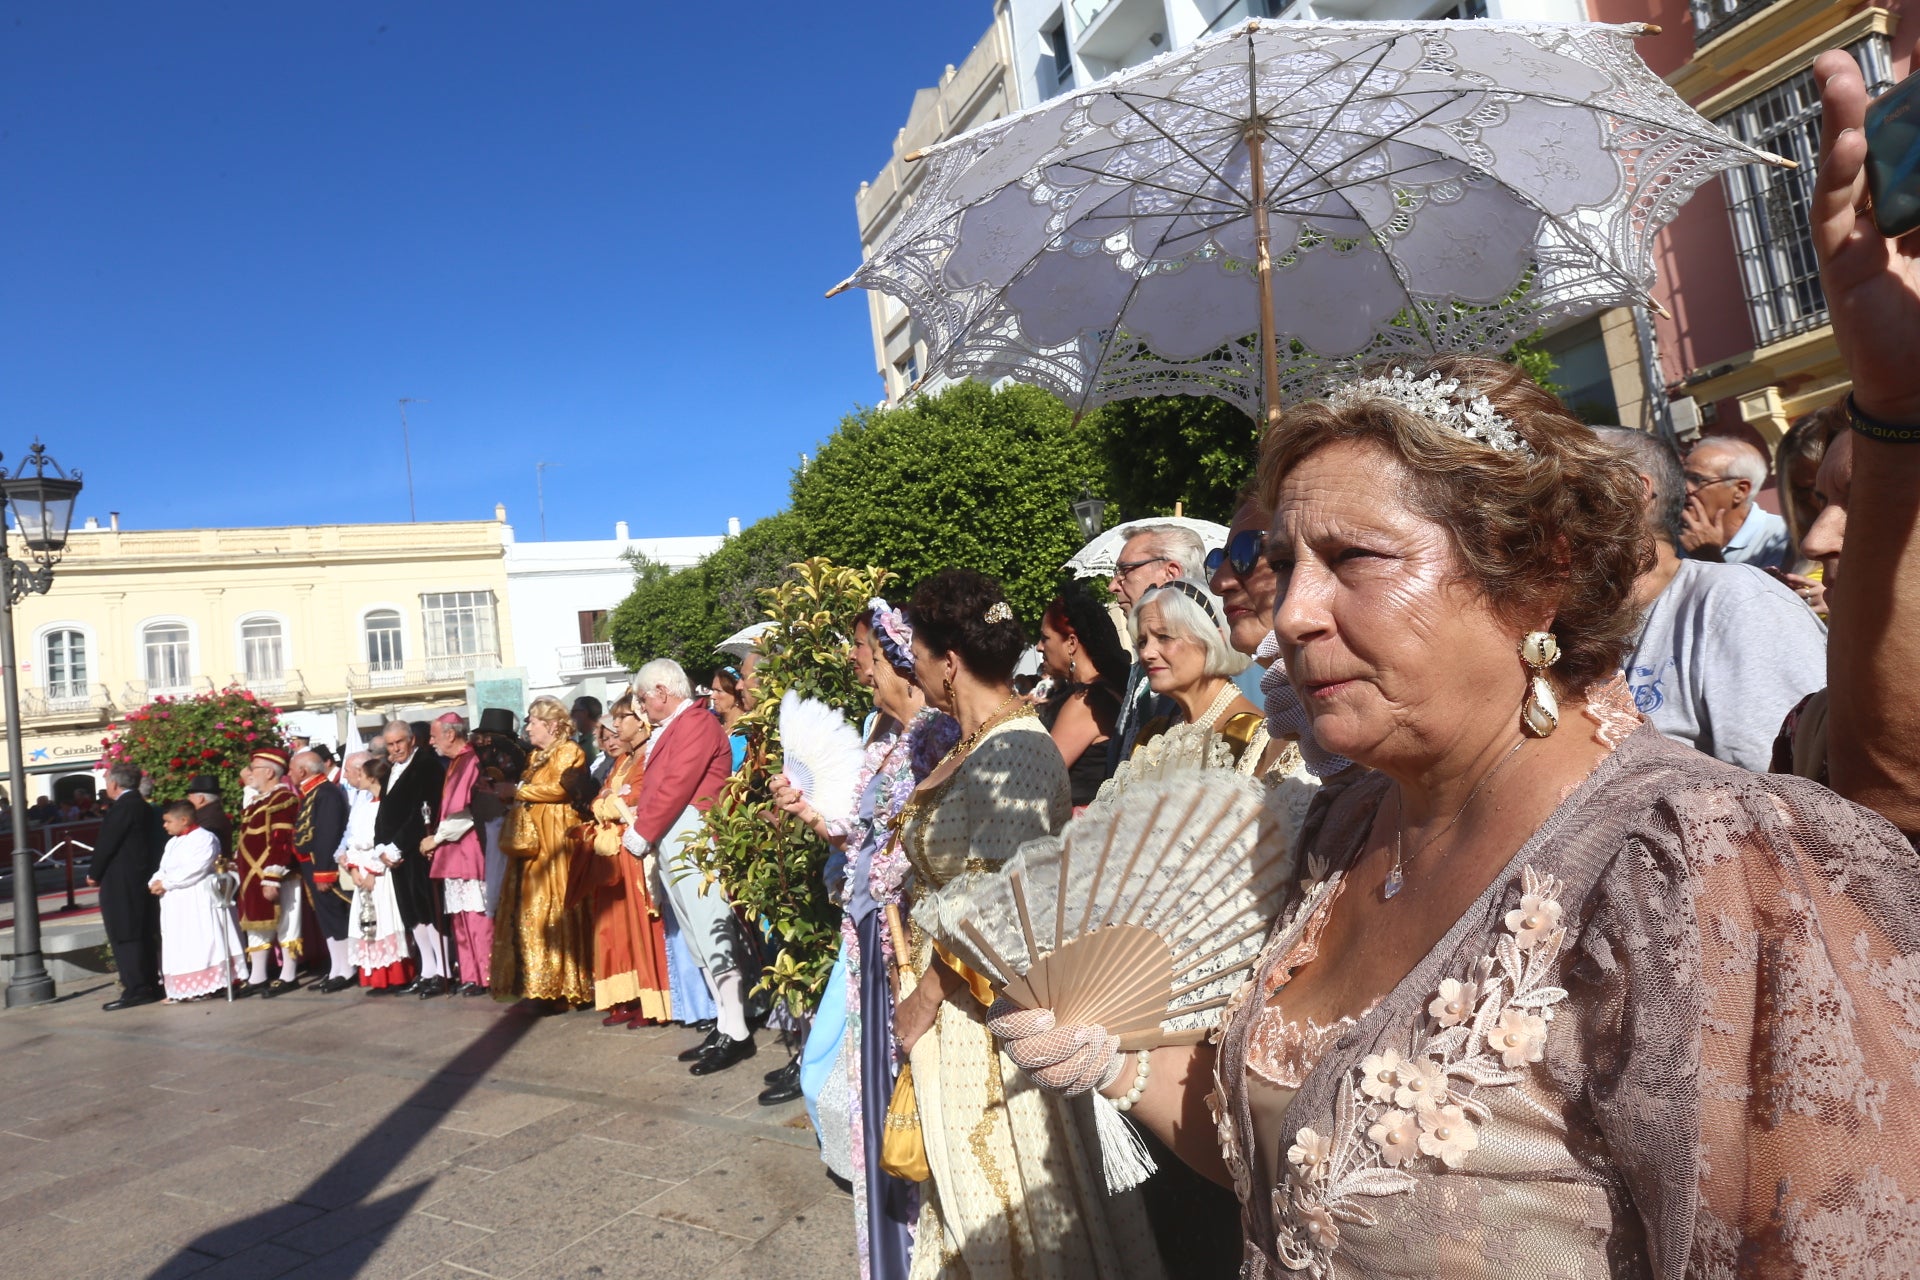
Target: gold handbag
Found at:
x=903, y=1148
x=519, y=838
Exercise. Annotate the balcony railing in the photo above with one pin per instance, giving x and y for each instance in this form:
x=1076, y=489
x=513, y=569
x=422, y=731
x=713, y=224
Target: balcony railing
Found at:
x=587, y=659
x=1713, y=18
x=71, y=704
x=288, y=689
x=450, y=670
x=138, y=693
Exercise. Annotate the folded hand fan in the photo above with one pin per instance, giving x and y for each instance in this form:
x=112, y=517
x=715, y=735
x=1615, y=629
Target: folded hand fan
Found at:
x=821, y=755
x=1143, y=916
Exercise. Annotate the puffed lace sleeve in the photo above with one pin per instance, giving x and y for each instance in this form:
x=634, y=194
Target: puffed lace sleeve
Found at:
x=1754, y=949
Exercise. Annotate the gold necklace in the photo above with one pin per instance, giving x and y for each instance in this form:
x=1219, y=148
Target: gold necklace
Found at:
x=1396, y=881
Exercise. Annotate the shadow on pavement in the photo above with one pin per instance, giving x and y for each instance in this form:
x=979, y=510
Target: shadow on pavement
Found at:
x=343, y=1186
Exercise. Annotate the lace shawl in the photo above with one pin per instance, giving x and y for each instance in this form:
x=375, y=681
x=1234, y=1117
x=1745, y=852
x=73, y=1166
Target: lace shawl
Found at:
x=1714, y=1069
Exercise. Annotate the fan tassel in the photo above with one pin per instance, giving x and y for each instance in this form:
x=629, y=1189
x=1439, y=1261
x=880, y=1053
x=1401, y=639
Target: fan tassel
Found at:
x=1122, y=1155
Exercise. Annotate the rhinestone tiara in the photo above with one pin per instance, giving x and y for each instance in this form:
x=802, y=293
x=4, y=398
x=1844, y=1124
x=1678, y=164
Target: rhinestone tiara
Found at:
x=1442, y=401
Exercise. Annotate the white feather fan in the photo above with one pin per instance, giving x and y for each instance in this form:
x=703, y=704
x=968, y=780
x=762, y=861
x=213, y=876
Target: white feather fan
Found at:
x=821, y=755
x=1143, y=916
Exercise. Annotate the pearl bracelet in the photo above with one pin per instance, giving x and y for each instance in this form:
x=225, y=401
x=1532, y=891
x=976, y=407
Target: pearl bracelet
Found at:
x=1126, y=1101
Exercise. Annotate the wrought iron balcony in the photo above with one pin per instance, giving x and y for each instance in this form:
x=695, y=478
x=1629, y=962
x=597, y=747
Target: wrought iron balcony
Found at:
x=138, y=693
x=287, y=689
x=444, y=672
x=587, y=659
x=1714, y=18
x=76, y=704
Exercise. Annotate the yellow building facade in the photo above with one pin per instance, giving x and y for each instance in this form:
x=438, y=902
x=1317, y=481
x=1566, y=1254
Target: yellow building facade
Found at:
x=352, y=622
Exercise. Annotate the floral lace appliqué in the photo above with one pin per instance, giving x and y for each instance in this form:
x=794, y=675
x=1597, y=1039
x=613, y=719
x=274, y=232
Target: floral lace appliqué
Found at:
x=1399, y=1110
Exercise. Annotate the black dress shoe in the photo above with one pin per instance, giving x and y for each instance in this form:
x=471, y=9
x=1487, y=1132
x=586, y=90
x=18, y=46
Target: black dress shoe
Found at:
x=780, y=1075
x=781, y=1091
x=703, y=1026
x=129, y=1002
x=252, y=989
x=331, y=985
x=407, y=990
x=472, y=989
x=726, y=1053
x=280, y=987
x=428, y=988
x=699, y=1051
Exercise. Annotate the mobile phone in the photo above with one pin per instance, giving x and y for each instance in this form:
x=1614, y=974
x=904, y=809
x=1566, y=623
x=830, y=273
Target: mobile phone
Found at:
x=1893, y=157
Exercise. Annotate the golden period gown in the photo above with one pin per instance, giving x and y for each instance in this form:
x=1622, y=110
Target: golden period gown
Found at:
x=1017, y=1188
x=543, y=949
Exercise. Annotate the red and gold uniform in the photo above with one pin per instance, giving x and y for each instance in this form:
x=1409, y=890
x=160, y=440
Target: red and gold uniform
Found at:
x=263, y=854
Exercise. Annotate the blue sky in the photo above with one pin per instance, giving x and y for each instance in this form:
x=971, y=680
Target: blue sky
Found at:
x=590, y=233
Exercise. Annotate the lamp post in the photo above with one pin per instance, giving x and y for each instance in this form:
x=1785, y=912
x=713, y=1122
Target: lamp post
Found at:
x=42, y=506
x=1090, y=513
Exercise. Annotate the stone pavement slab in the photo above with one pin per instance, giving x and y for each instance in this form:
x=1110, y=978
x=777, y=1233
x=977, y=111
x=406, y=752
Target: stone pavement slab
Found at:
x=325, y=1137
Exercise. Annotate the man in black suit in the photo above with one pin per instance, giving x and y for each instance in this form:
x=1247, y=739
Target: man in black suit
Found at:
x=409, y=809
x=317, y=834
x=126, y=853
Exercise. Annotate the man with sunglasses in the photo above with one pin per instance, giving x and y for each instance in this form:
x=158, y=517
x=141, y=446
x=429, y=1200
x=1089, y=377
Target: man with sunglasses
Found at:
x=1151, y=555
x=1722, y=521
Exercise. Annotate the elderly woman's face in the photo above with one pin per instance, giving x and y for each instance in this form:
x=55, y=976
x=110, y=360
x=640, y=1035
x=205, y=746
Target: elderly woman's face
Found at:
x=1392, y=652
x=1174, y=660
x=540, y=732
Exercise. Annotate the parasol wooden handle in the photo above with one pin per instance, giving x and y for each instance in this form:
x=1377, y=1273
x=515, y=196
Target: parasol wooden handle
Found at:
x=902, y=950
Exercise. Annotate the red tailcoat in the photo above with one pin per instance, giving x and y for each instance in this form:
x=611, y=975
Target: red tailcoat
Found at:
x=689, y=763
x=263, y=852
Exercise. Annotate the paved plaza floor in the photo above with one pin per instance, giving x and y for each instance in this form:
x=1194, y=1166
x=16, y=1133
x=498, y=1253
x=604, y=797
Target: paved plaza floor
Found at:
x=320, y=1136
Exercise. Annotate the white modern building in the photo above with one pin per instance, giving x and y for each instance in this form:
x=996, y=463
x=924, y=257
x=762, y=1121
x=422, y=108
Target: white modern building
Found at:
x=560, y=593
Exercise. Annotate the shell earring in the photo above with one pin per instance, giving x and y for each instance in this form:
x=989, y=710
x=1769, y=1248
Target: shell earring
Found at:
x=1540, y=713
x=1073, y=664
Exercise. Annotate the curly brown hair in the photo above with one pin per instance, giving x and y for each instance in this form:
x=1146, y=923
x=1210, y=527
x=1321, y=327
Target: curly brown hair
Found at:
x=1561, y=532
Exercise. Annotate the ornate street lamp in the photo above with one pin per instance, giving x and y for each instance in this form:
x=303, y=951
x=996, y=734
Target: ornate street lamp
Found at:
x=1090, y=513
x=42, y=507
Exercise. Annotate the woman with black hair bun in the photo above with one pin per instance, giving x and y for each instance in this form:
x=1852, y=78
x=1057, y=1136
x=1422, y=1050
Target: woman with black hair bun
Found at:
x=1016, y=1182
x=1081, y=653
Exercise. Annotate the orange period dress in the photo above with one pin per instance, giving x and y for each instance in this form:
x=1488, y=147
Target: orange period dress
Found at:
x=629, y=938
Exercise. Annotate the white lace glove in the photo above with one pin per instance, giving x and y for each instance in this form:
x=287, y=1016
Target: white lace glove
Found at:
x=1067, y=1060
x=633, y=842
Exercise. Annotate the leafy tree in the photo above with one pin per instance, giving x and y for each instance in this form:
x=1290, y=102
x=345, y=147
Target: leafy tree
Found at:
x=684, y=613
x=771, y=864
x=973, y=477
x=1158, y=450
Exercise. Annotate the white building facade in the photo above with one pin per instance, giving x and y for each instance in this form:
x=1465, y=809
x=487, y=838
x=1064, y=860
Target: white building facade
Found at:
x=559, y=595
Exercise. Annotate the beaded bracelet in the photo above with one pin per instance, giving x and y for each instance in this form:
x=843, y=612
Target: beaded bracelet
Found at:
x=1874, y=429
x=1126, y=1100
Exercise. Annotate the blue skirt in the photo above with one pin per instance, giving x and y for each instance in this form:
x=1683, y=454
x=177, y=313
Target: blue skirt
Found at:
x=686, y=981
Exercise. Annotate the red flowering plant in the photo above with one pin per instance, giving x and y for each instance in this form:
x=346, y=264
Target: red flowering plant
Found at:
x=172, y=739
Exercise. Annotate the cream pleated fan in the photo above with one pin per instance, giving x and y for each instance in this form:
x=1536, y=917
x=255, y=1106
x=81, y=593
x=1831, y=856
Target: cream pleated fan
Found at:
x=1143, y=916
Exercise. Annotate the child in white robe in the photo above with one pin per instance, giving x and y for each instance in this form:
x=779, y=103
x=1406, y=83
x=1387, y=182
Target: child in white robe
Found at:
x=376, y=935
x=200, y=947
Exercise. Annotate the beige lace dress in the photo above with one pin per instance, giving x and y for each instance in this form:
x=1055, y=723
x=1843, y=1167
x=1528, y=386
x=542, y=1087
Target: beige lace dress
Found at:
x=1017, y=1189
x=1678, y=1036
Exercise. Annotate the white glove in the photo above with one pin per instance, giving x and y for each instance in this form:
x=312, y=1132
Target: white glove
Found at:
x=633, y=842
x=1067, y=1060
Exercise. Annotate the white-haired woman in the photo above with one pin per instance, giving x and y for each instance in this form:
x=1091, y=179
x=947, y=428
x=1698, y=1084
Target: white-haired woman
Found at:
x=1181, y=637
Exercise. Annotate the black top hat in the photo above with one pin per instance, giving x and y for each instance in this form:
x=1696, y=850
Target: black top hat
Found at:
x=203, y=784
x=496, y=720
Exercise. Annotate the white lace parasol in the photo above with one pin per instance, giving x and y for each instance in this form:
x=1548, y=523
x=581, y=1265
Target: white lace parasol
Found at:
x=1419, y=187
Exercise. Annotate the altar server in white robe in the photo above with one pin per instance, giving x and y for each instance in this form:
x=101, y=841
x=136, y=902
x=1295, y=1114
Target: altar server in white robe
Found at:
x=200, y=947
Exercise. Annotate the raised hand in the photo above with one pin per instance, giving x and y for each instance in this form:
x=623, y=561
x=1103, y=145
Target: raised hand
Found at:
x=1872, y=283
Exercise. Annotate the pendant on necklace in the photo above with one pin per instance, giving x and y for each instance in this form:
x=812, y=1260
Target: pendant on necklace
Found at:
x=1394, y=881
